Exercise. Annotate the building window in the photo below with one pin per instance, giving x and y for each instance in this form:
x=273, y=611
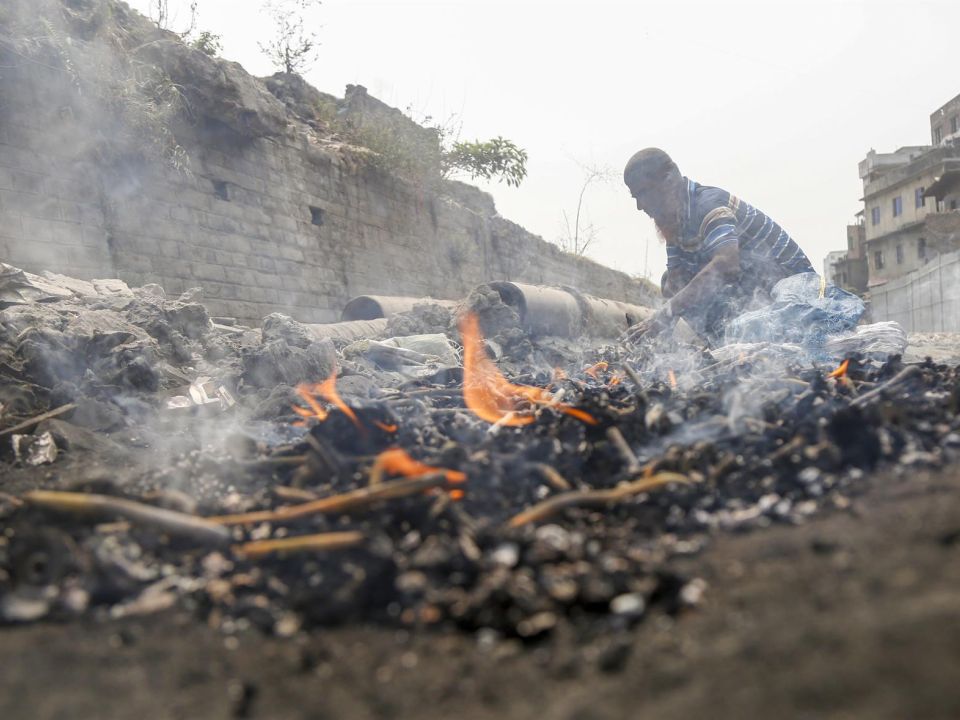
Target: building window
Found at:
x=875, y=215
x=899, y=254
x=878, y=259
x=316, y=215
x=918, y=199
x=849, y=242
x=953, y=124
x=922, y=248
x=897, y=206
x=937, y=135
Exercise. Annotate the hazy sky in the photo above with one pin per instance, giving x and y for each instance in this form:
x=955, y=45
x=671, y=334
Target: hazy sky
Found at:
x=776, y=102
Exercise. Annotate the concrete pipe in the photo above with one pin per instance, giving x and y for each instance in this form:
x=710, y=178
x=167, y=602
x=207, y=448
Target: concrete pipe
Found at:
x=567, y=312
x=542, y=310
x=371, y=307
x=349, y=331
x=609, y=318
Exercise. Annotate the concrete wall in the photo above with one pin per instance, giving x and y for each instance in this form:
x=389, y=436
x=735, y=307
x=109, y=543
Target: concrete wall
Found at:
x=926, y=300
x=273, y=218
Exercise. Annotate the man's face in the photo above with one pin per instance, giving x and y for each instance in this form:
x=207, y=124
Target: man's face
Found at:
x=654, y=198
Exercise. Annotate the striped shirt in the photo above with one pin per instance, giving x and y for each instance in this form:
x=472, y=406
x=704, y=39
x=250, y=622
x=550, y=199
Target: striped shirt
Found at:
x=714, y=218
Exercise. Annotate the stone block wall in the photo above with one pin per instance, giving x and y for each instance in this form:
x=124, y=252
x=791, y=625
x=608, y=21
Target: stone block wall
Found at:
x=263, y=223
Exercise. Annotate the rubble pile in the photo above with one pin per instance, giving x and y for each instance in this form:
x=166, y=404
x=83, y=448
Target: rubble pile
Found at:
x=155, y=457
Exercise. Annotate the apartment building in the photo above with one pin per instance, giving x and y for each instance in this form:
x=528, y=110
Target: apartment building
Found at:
x=902, y=190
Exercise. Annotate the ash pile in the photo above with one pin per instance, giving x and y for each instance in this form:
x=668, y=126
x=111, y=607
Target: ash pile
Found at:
x=499, y=464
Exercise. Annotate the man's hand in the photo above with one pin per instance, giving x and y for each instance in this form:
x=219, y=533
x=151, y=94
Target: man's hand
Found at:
x=651, y=327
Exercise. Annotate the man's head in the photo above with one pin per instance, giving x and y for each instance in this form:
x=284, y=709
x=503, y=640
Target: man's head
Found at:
x=656, y=184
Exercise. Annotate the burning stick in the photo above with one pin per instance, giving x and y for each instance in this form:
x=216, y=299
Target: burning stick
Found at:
x=345, y=502
x=175, y=524
x=590, y=498
x=397, y=462
x=301, y=543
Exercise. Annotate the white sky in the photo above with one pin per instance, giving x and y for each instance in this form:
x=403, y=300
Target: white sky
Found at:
x=774, y=101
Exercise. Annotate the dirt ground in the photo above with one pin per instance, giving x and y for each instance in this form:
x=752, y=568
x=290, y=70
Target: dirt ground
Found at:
x=855, y=614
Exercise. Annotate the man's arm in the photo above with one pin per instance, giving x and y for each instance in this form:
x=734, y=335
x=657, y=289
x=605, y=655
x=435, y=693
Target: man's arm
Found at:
x=723, y=268
x=723, y=243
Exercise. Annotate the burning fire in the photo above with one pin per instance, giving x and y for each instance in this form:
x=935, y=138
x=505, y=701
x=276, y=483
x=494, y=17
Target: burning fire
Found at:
x=840, y=372
x=673, y=379
x=490, y=395
x=397, y=461
x=596, y=369
x=328, y=391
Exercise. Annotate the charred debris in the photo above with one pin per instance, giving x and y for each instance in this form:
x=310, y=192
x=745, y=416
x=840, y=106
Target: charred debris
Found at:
x=500, y=463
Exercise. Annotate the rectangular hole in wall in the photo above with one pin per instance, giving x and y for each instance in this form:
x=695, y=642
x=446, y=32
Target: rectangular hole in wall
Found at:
x=316, y=215
x=220, y=189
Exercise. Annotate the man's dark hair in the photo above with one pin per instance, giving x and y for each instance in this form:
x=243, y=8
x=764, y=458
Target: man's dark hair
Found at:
x=648, y=164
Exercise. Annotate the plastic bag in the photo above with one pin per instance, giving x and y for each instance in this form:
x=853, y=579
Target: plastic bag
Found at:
x=804, y=311
x=878, y=340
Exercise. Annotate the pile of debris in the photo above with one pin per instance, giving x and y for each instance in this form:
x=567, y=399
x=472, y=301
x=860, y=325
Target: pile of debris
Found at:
x=475, y=474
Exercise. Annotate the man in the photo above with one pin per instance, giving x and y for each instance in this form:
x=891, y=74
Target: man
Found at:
x=721, y=251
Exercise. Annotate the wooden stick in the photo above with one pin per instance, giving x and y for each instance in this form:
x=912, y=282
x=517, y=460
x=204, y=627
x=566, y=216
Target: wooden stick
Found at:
x=171, y=522
x=300, y=543
x=552, y=476
x=632, y=374
x=285, y=492
x=619, y=442
x=49, y=415
x=901, y=377
x=345, y=502
x=587, y=498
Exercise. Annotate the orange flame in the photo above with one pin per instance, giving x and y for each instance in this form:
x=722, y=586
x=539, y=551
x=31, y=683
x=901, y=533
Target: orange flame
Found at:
x=673, y=379
x=596, y=369
x=328, y=391
x=616, y=379
x=559, y=374
x=489, y=395
x=396, y=461
x=841, y=371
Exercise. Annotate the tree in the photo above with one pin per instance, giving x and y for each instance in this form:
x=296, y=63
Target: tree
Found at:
x=496, y=158
x=578, y=236
x=204, y=41
x=293, y=48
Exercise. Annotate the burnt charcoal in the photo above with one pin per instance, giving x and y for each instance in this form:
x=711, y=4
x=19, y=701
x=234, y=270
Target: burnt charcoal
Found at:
x=41, y=556
x=97, y=415
x=376, y=428
x=278, y=326
x=277, y=362
x=276, y=403
x=855, y=436
x=424, y=318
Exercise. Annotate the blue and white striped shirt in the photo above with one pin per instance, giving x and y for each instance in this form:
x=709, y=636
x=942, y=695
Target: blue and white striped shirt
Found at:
x=715, y=218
